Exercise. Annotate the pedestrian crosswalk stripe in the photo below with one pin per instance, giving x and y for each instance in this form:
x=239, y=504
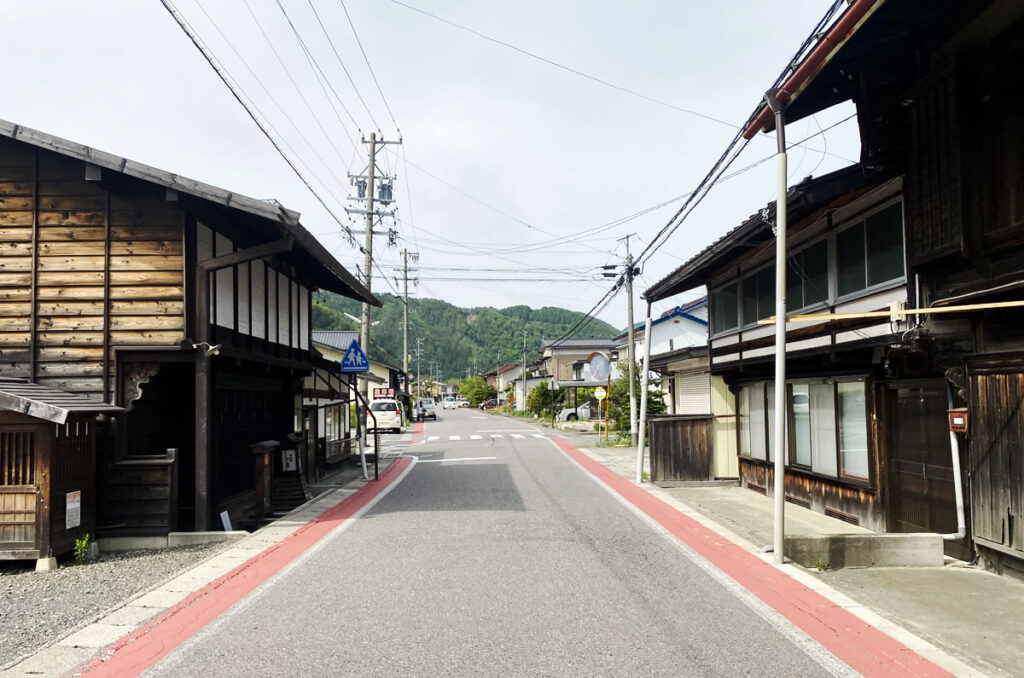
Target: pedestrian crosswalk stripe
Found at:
x=497, y=435
x=454, y=437
x=433, y=438
x=474, y=437
x=516, y=435
x=538, y=435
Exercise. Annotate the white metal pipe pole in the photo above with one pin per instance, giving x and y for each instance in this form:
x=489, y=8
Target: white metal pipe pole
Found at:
x=779, y=531
x=640, y=437
x=631, y=346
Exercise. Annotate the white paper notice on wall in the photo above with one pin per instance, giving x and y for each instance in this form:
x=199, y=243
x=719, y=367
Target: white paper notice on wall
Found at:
x=290, y=461
x=73, y=510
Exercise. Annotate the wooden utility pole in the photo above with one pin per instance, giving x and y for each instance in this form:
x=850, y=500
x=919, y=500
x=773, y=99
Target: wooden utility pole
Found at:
x=405, y=319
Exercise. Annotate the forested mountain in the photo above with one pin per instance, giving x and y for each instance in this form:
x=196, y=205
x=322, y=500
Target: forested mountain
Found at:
x=455, y=338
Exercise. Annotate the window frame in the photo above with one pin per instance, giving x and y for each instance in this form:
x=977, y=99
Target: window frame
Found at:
x=870, y=483
x=833, y=298
x=861, y=221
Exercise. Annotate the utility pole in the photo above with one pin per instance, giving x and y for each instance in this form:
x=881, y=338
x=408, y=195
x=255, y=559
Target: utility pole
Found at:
x=522, y=406
x=631, y=346
x=419, y=352
x=405, y=317
x=364, y=327
x=370, y=180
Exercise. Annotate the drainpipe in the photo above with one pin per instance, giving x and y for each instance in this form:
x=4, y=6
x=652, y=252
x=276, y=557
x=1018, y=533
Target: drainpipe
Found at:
x=641, y=429
x=779, y=513
x=954, y=446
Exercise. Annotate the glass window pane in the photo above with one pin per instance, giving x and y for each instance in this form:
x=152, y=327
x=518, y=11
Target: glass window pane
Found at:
x=743, y=420
x=823, y=428
x=750, y=300
x=757, y=422
x=794, y=283
x=766, y=293
x=853, y=429
x=815, y=278
x=850, y=258
x=723, y=309
x=885, y=245
x=801, y=433
x=770, y=425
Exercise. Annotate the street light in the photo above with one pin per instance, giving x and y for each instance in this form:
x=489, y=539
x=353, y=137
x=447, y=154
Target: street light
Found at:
x=357, y=321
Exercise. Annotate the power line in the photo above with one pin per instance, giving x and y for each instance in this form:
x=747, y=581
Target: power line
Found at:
x=336, y=55
x=272, y=98
x=211, y=60
x=580, y=73
x=367, y=60
x=298, y=90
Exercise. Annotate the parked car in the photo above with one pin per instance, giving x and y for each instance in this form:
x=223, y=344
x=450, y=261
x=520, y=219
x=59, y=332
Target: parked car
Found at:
x=448, y=403
x=461, y=402
x=489, y=404
x=388, y=414
x=574, y=413
x=427, y=408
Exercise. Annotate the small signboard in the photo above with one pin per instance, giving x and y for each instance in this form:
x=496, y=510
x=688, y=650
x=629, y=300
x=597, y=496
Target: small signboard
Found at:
x=73, y=511
x=289, y=461
x=600, y=393
x=383, y=393
x=354, y=360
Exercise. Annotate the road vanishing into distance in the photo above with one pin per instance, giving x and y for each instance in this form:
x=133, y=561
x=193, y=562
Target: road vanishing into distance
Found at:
x=497, y=555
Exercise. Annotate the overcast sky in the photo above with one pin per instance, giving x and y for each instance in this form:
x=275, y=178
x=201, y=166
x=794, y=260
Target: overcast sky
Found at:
x=502, y=153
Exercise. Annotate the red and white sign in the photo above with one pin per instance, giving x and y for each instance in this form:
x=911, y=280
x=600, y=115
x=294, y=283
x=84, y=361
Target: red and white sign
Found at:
x=383, y=393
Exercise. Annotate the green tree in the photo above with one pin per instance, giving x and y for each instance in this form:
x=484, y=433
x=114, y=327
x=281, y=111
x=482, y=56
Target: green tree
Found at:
x=619, y=414
x=542, y=399
x=476, y=390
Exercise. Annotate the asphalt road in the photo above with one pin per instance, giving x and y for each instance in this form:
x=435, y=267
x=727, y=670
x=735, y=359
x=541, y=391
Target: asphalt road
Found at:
x=513, y=562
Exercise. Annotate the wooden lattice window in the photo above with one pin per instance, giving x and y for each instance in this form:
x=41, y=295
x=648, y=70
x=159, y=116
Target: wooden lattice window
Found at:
x=17, y=458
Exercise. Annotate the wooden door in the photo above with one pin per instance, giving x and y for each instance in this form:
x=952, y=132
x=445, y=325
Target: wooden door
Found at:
x=996, y=431
x=923, y=494
x=19, y=491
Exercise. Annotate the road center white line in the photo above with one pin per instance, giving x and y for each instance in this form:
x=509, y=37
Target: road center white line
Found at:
x=476, y=437
x=437, y=461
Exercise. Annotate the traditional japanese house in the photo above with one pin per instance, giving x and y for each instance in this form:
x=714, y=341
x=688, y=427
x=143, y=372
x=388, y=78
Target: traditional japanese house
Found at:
x=184, y=304
x=846, y=254
x=936, y=87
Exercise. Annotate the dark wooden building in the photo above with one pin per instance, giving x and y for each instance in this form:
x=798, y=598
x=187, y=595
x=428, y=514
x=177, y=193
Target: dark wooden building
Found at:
x=184, y=304
x=937, y=88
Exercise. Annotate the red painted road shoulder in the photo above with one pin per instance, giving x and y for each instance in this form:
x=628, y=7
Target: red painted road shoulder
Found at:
x=148, y=644
x=861, y=646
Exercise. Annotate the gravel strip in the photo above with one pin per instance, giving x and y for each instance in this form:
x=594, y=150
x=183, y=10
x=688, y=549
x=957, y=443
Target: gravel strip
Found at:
x=37, y=609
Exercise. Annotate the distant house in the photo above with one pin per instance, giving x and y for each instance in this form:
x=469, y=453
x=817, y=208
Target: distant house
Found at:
x=183, y=305
x=565, y=361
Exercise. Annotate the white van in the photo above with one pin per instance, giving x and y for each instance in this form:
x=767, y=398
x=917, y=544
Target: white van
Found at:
x=448, y=402
x=388, y=414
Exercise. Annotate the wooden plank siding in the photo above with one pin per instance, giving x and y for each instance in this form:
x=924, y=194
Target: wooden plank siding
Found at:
x=680, y=448
x=83, y=268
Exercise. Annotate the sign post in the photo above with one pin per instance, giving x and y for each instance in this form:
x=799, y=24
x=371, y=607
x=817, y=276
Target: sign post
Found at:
x=355, y=361
x=600, y=394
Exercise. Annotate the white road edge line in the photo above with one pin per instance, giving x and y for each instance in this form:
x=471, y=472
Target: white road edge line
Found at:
x=176, y=655
x=912, y=641
x=794, y=634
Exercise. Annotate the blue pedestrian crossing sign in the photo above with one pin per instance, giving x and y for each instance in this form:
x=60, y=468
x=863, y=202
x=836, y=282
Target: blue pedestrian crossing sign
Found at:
x=355, y=360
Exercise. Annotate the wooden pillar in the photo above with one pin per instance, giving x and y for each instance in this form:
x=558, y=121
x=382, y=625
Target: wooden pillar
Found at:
x=204, y=397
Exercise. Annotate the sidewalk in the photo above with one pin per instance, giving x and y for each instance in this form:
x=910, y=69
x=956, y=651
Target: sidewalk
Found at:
x=972, y=615
x=74, y=651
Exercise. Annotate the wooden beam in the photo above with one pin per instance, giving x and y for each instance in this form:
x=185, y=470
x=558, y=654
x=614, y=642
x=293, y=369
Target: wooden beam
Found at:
x=241, y=256
x=819, y=317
